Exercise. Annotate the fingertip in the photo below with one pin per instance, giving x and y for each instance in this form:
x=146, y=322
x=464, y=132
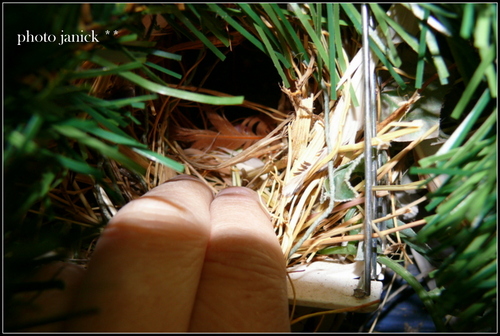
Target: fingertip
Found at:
x=243, y=195
x=243, y=191
x=45, y=304
x=183, y=177
x=149, y=256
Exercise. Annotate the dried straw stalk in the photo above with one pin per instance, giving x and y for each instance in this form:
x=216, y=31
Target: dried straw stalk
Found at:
x=292, y=172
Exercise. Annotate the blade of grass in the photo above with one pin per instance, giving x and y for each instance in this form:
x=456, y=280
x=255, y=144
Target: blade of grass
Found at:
x=168, y=91
x=436, y=9
x=224, y=15
x=408, y=38
x=482, y=41
x=78, y=166
x=112, y=124
x=278, y=25
x=119, y=103
x=269, y=35
x=165, y=54
x=355, y=18
x=284, y=38
x=310, y=31
x=381, y=17
x=273, y=55
x=387, y=64
x=165, y=71
x=105, y=72
x=353, y=15
x=179, y=167
x=439, y=62
x=296, y=46
x=419, y=289
x=422, y=49
x=334, y=76
x=209, y=21
x=473, y=84
x=111, y=152
x=257, y=20
x=118, y=56
x=151, y=75
x=91, y=127
x=199, y=34
x=338, y=40
x=467, y=21
x=317, y=18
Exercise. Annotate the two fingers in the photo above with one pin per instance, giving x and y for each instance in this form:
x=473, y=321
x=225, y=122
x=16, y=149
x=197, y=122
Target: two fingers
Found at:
x=178, y=259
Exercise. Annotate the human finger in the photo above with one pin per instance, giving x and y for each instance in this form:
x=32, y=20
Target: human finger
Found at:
x=243, y=282
x=145, y=268
x=44, y=309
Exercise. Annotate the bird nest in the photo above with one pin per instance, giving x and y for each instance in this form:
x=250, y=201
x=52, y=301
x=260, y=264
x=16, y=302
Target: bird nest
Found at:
x=282, y=152
x=304, y=156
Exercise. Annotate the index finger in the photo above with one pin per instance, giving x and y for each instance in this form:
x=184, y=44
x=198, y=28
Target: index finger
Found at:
x=146, y=266
x=243, y=282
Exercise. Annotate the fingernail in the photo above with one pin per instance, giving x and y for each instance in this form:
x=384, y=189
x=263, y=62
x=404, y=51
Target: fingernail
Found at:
x=184, y=177
x=239, y=191
x=246, y=192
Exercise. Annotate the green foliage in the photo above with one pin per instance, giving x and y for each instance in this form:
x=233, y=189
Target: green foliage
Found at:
x=465, y=204
x=54, y=129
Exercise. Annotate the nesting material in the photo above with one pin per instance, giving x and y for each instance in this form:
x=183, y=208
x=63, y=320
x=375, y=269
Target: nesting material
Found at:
x=330, y=285
x=304, y=159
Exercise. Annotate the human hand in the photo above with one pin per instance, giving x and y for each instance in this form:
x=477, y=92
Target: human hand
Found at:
x=180, y=259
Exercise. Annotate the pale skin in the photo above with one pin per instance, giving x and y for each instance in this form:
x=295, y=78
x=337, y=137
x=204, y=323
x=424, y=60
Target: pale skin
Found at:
x=180, y=259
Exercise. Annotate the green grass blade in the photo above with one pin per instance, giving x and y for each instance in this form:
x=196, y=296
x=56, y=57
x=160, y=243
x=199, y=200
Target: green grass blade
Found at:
x=422, y=49
x=111, y=152
x=419, y=289
x=224, y=15
x=211, y=23
x=304, y=20
x=258, y=21
x=439, y=62
x=91, y=127
x=199, y=34
x=165, y=71
x=179, y=167
x=278, y=25
x=317, y=20
x=474, y=114
x=110, y=124
x=387, y=64
x=474, y=83
x=467, y=21
x=354, y=16
x=382, y=19
x=408, y=38
x=165, y=54
x=334, y=76
x=165, y=90
x=272, y=54
x=482, y=29
x=78, y=166
x=119, y=103
x=105, y=72
x=338, y=40
x=436, y=9
x=296, y=46
x=283, y=36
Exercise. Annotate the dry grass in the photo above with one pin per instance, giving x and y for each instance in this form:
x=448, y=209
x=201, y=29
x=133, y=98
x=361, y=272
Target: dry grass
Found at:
x=280, y=152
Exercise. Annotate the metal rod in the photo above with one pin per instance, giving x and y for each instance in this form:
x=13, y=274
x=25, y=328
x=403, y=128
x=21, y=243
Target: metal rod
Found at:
x=369, y=199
